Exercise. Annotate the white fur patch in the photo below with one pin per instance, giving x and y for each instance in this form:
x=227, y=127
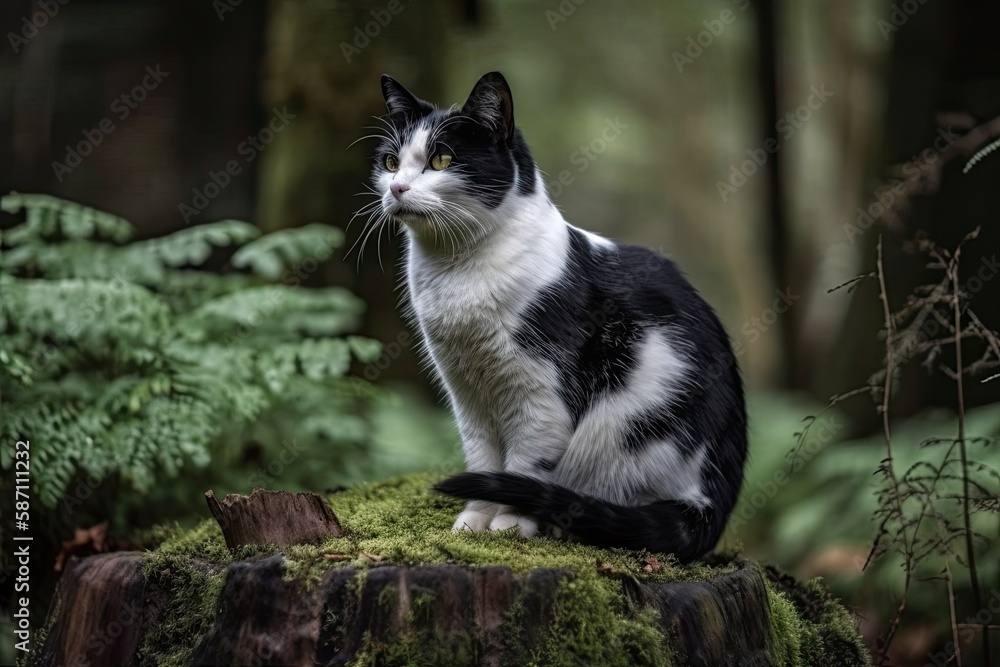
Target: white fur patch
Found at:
x=597, y=465
x=506, y=402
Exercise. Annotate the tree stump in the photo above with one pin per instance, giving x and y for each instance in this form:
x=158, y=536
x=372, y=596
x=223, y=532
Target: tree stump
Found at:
x=394, y=586
x=273, y=517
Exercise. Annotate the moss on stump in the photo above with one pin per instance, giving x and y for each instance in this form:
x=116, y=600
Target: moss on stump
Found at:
x=399, y=588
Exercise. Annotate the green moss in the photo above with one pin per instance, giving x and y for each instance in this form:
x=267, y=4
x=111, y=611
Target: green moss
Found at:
x=593, y=623
x=832, y=636
x=406, y=523
x=809, y=626
x=203, y=542
x=417, y=644
x=195, y=588
x=403, y=522
x=786, y=629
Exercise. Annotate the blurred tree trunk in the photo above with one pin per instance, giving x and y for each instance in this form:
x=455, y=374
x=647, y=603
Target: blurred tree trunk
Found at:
x=853, y=67
x=779, y=236
x=70, y=76
x=323, y=63
x=944, y=77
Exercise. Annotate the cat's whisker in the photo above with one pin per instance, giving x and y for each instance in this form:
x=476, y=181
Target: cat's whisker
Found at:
x=375, y=219
x=351, y=145
x=460, y=219
x=455, y=229
x=378, y=246
x=364, y=210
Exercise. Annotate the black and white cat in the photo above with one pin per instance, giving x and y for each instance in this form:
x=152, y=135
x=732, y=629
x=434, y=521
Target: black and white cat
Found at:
x=594, y=389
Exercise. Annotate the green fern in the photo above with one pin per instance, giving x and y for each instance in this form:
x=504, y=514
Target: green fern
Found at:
x=980, y=154
x=271, y=256
x=126, y=364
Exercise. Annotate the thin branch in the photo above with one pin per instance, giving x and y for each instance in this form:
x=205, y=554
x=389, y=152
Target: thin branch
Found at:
x=951, y=611
x=890, y=632
x=966, y=514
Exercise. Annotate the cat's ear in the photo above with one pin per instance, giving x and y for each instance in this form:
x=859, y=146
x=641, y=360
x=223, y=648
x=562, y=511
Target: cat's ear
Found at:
x=400, y=101
x=491, y=102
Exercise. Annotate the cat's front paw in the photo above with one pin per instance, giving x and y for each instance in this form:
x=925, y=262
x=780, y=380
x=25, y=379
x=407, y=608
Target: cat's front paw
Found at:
x=527, y=526
x=476, y=520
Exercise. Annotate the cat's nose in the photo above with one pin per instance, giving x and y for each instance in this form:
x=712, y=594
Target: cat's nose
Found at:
x=398, y=189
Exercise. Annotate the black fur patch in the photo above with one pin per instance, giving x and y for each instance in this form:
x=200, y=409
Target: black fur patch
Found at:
x=579, y=326
x=589, y=323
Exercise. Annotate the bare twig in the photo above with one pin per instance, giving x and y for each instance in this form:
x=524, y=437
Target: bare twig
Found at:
x=970, y=553
x=887, y=637
x=951, y=611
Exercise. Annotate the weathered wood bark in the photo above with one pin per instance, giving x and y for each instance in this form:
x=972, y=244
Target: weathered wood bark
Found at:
x=105, y=606
x=273, y=517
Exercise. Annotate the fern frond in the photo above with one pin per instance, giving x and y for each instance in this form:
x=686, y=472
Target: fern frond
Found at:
x=49, y=217
x=193, y=245
x=980, y=154
x=130, y=365
x=303, y=247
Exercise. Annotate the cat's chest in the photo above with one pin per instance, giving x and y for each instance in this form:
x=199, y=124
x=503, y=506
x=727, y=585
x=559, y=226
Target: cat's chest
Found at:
x=470, y=324
x=479, y=314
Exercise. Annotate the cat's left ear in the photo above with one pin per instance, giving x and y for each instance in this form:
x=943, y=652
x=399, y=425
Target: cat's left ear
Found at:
x=398, y=100
x=491, y=102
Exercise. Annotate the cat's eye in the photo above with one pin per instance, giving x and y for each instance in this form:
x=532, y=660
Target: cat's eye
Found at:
x=440, y=161
x=391, y=163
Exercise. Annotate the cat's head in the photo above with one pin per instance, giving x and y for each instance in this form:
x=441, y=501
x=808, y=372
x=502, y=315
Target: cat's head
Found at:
x=448, y=174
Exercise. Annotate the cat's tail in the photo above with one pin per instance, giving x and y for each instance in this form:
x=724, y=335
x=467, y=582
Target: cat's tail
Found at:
x=668, y=526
